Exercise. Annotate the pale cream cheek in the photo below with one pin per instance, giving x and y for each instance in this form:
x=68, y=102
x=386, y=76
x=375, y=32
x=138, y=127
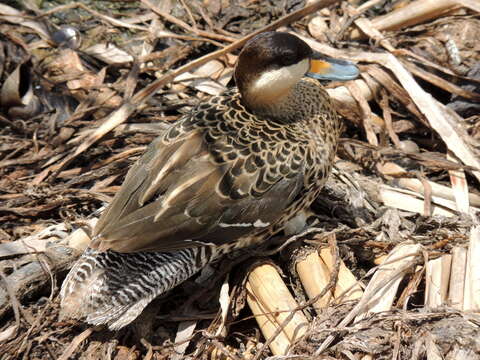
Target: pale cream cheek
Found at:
x=276, y=83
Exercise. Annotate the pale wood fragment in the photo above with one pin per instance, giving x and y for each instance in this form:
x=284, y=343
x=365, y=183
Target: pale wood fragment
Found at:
x=471, y=301
x=318, y=27
x=367, y=357
x=380, y=259
x=433, y=351
x=459, y=186
x=271, y=304
x=457, y=277
x=347, y=287
x=442, y=119
x=70, y=349
x=182, y=338
x=470, y=4
x=366, y=111
x=315, y=276
x=342, y=96
x=437, y=281
x=79, y=239
x=462, y=354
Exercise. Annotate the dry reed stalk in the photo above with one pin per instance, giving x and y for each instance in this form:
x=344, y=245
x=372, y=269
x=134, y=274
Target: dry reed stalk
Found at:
x=315, y=276
x=411, y=201
x=347, y=287
x=416, y=12
x=437, y=281
x=271, y=304
x=382, y=288
x=380, y=292
x=439, y=190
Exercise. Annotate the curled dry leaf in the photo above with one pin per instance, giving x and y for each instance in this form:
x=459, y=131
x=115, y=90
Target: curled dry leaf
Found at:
x=109, y=54
x=83, y=83
x=14, y=16
x=17, y=88
x=210, y=78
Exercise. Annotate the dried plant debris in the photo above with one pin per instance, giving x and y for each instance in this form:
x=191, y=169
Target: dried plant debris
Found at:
x=85, y=86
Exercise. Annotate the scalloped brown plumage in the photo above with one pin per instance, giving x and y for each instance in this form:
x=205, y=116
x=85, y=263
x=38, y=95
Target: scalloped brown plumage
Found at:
x=228, y=175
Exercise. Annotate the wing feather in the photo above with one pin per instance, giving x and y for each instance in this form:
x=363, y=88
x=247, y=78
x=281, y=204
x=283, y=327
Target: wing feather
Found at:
x=198, y=185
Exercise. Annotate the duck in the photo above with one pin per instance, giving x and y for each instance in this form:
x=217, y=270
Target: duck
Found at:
x=229, y=175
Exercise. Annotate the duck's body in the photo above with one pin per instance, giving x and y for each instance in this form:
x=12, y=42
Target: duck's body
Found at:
x=229, y=175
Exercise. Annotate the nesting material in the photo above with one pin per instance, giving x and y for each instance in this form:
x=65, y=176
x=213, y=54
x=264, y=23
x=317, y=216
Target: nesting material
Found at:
x=416, y=185
x=471, y=301
x=437, y=281
x=411, y=201
x=382, y=288
x=347, y=287
x=271, y=304
x=315, y=276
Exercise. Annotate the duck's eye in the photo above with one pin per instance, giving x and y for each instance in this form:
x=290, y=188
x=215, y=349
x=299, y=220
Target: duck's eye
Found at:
x=289, y=59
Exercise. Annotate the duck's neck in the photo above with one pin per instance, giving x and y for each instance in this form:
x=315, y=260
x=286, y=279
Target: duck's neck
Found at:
x=307, y=101
x=270, y=106
x=270, y=102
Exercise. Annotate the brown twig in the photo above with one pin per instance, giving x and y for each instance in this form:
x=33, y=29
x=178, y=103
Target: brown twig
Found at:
x=190, y=15
x=387, y=116
x=184, y=25
x=75, y=343
x=427, y=195
x=109, y=19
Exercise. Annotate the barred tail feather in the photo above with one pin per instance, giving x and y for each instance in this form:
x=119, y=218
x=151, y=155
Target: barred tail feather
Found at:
x=113, y=288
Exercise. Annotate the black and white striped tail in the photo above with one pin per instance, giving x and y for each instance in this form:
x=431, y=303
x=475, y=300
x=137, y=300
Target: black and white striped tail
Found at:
x=113, y=288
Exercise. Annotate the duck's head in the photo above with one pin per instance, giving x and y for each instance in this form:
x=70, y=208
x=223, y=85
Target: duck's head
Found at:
x=272, y=63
